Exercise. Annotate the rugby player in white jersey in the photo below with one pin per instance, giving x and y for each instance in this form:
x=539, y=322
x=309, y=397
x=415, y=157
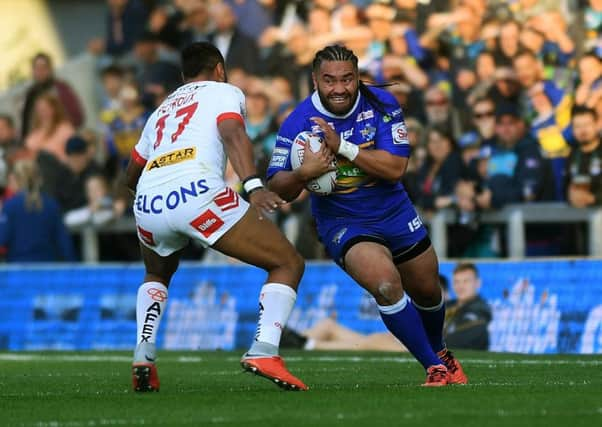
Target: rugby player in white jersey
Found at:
x=177, y=172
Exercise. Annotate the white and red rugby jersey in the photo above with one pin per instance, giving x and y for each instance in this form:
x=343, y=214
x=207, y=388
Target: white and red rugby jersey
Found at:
x=181, y=137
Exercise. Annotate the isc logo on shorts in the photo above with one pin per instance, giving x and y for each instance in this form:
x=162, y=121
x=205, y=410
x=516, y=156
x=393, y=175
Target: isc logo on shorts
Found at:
x=207, y=223
x=415, y=224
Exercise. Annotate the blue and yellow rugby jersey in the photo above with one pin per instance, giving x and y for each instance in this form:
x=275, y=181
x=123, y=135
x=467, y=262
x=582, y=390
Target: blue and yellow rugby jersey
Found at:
x=356, y=193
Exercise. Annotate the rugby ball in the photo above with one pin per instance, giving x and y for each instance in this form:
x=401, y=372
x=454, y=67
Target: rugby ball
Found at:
x=323, y=184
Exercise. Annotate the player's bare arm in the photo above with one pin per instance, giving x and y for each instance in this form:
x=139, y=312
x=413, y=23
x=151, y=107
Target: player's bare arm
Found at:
x=240, y=152
x=378, y=163
x=132, y=174
x=289, y=184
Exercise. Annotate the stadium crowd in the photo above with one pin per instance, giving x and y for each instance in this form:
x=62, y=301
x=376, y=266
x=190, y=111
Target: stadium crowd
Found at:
x=502, y=101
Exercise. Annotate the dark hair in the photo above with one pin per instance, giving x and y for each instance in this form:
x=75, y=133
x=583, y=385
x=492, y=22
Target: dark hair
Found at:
x=44, y=56
x=341, y=53
x=580, y=109
x=466, y=266
x=590, y=54
x=523, y=51
x=113, y=70
x=198, y=58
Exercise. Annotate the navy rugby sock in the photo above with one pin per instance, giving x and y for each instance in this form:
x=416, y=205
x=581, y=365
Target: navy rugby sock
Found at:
x=403, y=320
x=432, y=319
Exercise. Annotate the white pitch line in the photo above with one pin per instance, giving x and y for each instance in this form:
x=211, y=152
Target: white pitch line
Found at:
x=18, y=357
x=88, y=423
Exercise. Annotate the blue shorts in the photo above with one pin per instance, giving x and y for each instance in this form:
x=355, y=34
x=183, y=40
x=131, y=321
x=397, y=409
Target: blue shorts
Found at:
x=400, y=229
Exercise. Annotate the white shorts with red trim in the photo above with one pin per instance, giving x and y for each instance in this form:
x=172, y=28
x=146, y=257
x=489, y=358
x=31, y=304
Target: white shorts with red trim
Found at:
x=169, y=215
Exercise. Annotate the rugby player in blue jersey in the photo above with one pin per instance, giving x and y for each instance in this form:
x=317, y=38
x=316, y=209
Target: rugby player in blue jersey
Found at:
x=368, y=224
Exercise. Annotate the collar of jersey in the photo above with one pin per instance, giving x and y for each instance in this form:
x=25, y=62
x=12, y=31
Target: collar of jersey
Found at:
x=315, y=100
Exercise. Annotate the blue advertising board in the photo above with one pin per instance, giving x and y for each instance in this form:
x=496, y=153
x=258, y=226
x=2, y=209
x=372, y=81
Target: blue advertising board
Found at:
x=538, y=306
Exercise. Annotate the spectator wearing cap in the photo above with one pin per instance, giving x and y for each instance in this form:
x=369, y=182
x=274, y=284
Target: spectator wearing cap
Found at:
x=512, y=168
x=584, y=171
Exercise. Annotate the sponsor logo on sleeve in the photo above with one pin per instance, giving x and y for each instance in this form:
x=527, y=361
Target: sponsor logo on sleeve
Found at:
x=399, y=133
x=279, y=157
x=284, y=139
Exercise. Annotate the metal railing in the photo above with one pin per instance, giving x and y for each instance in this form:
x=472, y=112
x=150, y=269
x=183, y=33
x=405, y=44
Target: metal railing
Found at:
x=513, y=217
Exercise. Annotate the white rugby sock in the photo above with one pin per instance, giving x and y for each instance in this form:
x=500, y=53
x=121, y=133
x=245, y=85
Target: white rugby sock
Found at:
x=276, y=302
x=150, y=306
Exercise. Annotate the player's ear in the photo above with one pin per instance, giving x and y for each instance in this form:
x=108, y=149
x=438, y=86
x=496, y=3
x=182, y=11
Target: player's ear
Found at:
x=314, y=79
x=220, y=72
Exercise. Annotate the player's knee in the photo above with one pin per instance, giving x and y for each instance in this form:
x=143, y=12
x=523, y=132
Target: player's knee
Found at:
x=389, y=291
x=298, y=264
x=295, y=263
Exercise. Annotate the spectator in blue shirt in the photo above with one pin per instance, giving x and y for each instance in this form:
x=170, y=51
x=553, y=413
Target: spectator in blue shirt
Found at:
x=31, y=225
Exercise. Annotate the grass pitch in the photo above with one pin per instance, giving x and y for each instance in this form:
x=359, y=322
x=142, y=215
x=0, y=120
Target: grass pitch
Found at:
x=347, y=389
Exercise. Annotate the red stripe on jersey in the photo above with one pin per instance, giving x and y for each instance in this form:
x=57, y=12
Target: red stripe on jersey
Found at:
x=228, y=116
x=137, y=157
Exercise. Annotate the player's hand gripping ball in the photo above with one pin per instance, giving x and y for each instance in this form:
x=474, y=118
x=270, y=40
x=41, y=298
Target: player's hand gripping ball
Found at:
x=324, y=184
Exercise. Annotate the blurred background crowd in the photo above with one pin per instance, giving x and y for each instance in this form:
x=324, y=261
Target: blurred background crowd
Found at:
x=502, y=101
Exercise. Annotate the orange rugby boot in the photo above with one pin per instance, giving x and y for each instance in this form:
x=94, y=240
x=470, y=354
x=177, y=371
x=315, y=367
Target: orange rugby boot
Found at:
x=436, y=376
x=274, y=369
x=456, y=373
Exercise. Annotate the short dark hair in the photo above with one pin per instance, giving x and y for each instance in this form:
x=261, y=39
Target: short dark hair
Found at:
x=524, y=52
x=200, y=57
x=466, y=266
x=112, y=70
x=44, y=56
x=580, y=109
